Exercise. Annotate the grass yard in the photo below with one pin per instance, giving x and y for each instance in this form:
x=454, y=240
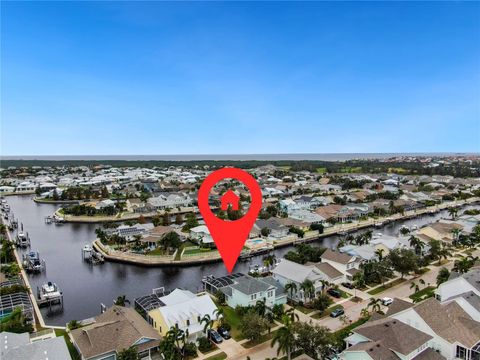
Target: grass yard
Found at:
x=422, y=271
x=349, y=169
x=71, y=349
x=345, y=294
x=196, y=251
x=343, y=333
x=321, y=170
x=234, y=320
x=423, y=294
x=389, y=285
x=304, y=309
x=326, y=312
x=219, y=356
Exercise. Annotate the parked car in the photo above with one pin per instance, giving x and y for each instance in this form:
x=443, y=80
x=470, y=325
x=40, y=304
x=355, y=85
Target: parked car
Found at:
x=214, y=336
x=224, y=333
x=387, y=301
x=335, y=293
x=337, y=312
x=347, y=285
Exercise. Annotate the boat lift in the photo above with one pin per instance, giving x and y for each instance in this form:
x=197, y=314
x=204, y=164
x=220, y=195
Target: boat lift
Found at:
x=32, y=262
x=92, y=256
x=49, y=294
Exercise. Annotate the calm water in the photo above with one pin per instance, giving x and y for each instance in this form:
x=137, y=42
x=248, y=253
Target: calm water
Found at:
x=85, y=286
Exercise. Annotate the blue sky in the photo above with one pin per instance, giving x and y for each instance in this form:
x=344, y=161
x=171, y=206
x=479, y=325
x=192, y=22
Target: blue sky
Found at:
x=211, y=78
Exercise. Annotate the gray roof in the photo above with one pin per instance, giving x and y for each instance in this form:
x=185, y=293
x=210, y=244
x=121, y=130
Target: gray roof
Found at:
x=272, y=223
x=270, y=280
x=429, y=354
x=470, y=297
x=250, y=285
x=397, y=306
x=473, y=277
x=10, y=340
x=51, y=349
x=394, y=334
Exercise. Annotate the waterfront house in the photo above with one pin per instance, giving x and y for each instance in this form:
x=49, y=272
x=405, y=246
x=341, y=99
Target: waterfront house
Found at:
x=104, y=203
x=170, y=201
x=290, y=272
x=116, y=329
x=347, y=264
x=27, y=346
x=183, y=309
x=440, y=231
x=247, y=290
x=276, y=228
x=201, y=235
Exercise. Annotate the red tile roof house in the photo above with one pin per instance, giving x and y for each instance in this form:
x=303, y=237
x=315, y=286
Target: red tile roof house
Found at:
x=116, y=329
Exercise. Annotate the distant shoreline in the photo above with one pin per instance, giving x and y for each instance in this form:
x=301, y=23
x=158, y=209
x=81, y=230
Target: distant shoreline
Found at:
x=234, y=157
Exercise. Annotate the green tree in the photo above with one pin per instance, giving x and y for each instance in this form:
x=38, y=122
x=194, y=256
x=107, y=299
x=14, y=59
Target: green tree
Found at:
x=321, y=302
x=170, y=240
x=374, y=304
x=404, y=261
x=122, y=301
x=191, y=222
x=315, y=340
x=253, y=325
x=128, y=354
x=284, y=338
x=443, y=275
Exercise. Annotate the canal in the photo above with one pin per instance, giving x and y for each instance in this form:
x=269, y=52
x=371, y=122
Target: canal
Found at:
x=85, y=286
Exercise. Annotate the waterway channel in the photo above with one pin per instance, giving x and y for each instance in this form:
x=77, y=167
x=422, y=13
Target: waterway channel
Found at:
x=86, y=286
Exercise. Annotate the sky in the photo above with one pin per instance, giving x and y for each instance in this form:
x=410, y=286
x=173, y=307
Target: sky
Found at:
x=108, y=78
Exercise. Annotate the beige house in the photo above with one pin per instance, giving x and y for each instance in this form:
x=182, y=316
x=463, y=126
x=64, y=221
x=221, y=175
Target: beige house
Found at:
x=440, y=231
x=116, y=329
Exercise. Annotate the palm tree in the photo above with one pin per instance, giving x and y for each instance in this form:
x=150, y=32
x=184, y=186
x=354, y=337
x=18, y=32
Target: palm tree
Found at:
x=261, y=307
x=415, y=287
x=416, y=244
x=374, y=304
x=379, y=254
x=208, y=322
x=463, y=265
x=443, y=253
x=364, y=313
x=452, y=212
x=404, y=230
x=292, y=315
x=291, y=288
x=456, y=235
x=219, y=315
x=308, y=289
x=121, y=301
x=285, y=338
x=325, y=284
x=269, y=261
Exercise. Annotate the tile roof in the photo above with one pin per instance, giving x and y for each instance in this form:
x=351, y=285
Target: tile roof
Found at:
x=250, y=285
x=449, y=321
x=397, y=306
x=116, y=329
x=394, y=334
x=336, y=256
x=328, y=270
x=375, y=349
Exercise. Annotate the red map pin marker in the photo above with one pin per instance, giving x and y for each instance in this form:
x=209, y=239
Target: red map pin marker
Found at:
x=229, y=236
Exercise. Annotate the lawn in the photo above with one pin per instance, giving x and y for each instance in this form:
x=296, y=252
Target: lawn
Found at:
x=422, y=271
x=345, y=295
x=321, y=170
x=349, y=169
x=304, y=309
x=326, y=312
x=386, y=286
x=71, y=349
x=268, y=336
x=195, y=251
x=233, y=319
x=423, y=294
x=219, y=356
x=343, y=333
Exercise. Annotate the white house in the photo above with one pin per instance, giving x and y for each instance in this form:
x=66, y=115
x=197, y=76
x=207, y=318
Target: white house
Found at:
x=201, y=234
x=455, y=335
x=247, y=290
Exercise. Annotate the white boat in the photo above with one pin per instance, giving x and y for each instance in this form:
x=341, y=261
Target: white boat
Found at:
x=22, y=239
x=49, y=292
x=32, y=262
